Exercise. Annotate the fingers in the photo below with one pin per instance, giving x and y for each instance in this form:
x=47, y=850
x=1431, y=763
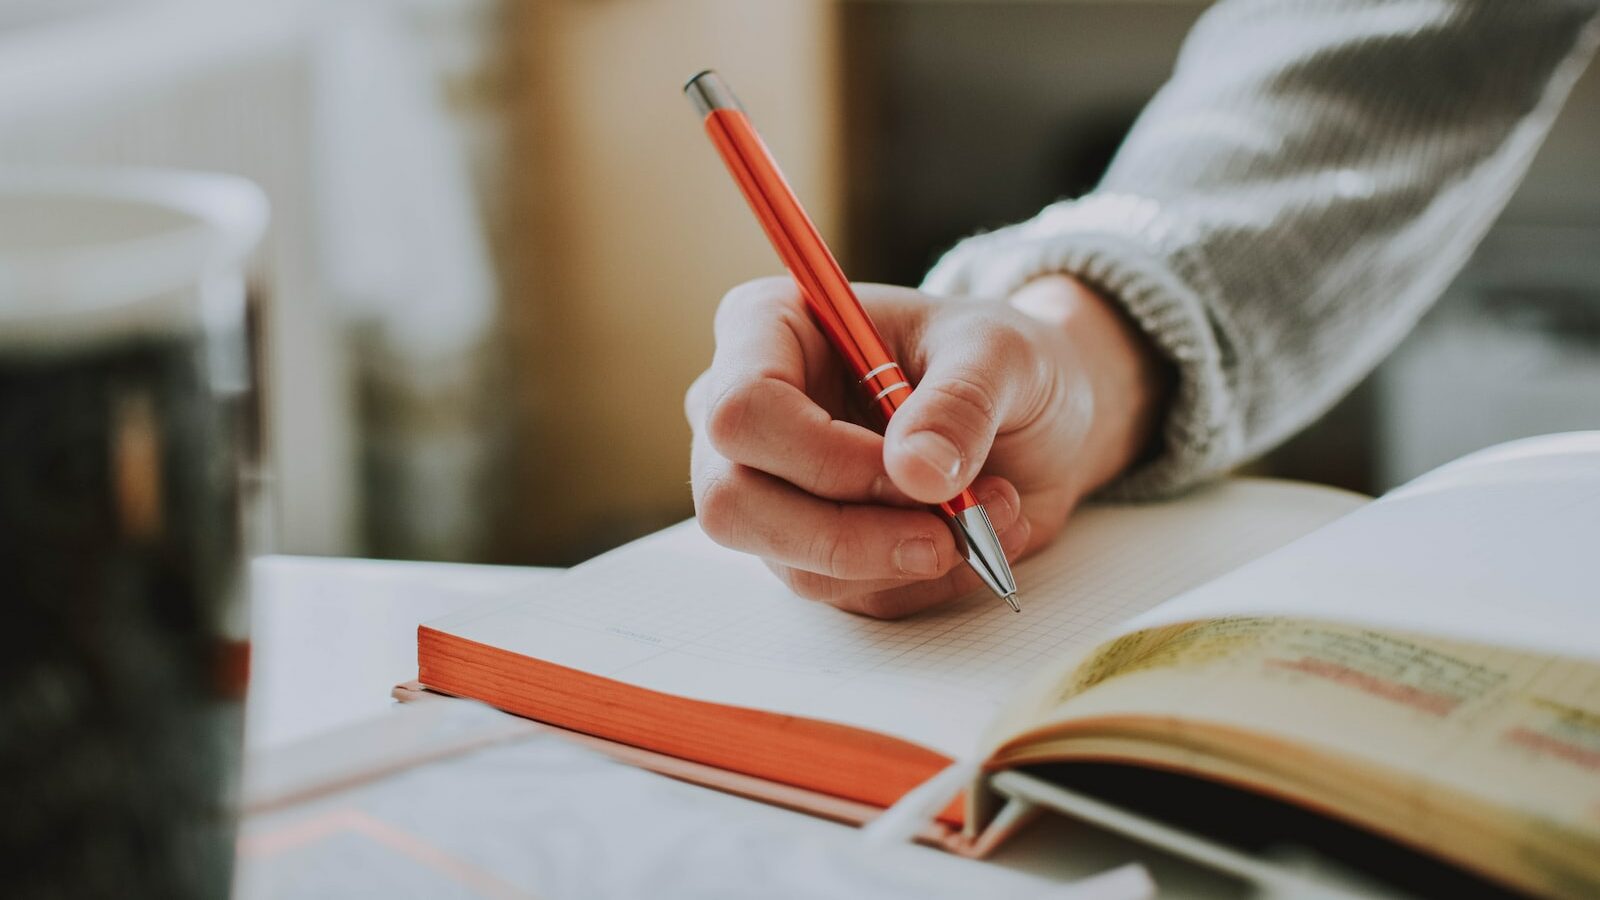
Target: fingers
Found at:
x=751, y=511
x=829, y=504
x=893, y=599
x=772, y=426
x=977, y=380
x=841, y=553
x=754, y=407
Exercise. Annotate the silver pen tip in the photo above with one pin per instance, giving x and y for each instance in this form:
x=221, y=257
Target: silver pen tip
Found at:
x=1011, y=601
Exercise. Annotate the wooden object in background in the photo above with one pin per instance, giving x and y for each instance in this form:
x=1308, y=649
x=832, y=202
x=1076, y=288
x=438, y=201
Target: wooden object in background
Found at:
x=627, y=234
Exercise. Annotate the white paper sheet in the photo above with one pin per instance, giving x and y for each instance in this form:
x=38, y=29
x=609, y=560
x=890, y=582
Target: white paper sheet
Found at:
x=537, y=817
x=674, y=612
x=1500, y=547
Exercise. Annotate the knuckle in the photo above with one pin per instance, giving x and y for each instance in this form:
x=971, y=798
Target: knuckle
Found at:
x=716, y=505
x=694, y=400
x=806, y=585
x=833, y=472
x=727, y=415
x=769, y=290
x=966, y=395
x=965, y=404
x=783, y=573
x=838, y=552
x=880, y=605
x=823, y=478
x=811, y=586
x=1004, y=340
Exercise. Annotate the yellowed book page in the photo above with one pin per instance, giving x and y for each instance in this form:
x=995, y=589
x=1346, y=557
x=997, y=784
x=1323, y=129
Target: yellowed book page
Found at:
x=676, y=613
x=1510, y=730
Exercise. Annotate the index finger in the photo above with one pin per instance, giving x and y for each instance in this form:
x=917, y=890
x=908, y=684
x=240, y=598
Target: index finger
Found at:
x=763, y=331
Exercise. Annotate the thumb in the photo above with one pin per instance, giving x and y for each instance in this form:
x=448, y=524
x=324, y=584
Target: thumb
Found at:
x=937, y=441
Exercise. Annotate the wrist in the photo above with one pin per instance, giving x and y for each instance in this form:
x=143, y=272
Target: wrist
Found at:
x=1128, y=379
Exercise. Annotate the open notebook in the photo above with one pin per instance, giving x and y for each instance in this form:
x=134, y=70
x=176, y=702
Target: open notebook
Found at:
x=1298, y=671
x=677, y=614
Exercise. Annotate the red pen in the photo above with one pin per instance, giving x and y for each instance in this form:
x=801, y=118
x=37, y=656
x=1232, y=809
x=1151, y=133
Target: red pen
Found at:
x=833, y=304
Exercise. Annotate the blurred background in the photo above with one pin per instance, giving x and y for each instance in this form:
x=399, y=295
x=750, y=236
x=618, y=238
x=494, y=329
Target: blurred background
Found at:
x=499, y=234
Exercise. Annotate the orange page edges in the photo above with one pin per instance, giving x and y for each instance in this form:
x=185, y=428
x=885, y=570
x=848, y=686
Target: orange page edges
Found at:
x=821, y=756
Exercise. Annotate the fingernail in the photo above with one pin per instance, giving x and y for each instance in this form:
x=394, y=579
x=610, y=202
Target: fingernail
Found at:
x=917, y=557
x=999, y=509
x=936, y=451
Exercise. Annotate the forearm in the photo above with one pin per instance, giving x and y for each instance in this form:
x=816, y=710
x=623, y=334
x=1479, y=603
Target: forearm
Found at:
x=1291, y=202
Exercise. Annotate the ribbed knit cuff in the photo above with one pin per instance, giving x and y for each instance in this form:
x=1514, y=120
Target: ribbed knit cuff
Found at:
x=1127, y=248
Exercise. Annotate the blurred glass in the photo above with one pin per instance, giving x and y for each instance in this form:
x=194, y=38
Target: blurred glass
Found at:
x=123, y=402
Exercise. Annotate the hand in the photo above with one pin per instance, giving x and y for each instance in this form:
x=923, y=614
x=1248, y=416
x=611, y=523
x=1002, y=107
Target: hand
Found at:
x=1034, y=403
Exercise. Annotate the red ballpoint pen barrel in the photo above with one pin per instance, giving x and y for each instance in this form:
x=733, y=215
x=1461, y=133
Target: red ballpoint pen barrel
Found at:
x=827, y=292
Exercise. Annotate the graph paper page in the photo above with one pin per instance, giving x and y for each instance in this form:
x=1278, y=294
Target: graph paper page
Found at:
x=673, y=612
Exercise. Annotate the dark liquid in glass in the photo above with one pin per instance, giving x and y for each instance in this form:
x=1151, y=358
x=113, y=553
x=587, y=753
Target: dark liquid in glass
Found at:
x=122, y=660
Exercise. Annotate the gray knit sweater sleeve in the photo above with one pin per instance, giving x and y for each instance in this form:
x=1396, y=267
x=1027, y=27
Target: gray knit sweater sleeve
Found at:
x=1290, y=203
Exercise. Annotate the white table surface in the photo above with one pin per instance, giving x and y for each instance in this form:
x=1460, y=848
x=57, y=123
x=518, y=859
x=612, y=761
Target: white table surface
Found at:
x=332, y=636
